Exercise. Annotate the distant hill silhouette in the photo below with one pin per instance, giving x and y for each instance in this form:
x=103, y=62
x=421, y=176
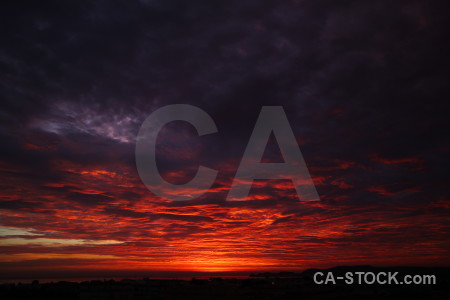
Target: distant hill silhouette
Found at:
x=268, y=285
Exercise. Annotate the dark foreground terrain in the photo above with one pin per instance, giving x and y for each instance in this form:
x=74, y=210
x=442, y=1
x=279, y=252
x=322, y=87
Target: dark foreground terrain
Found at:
x=258, y=286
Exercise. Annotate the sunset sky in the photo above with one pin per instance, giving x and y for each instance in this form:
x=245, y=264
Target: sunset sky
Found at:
x=365, y=87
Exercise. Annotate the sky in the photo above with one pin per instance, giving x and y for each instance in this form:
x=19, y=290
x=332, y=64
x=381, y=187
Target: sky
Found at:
x=364, y=86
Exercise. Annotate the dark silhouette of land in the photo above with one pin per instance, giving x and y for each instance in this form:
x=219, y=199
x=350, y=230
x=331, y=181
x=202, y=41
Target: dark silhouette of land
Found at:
x=283, y=285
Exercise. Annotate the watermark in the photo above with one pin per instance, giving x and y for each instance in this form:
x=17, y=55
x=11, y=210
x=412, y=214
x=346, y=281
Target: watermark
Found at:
x=271, y=120
x=388, y=278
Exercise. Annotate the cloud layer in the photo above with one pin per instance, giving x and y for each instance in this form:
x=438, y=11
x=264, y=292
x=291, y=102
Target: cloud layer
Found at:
x=364, y=85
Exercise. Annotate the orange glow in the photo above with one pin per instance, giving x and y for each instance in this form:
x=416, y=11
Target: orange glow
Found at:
x=107, y=220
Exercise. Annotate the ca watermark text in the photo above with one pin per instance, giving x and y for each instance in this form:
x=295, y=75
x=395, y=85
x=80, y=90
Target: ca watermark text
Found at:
x=271, y=120
x=383, y=278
